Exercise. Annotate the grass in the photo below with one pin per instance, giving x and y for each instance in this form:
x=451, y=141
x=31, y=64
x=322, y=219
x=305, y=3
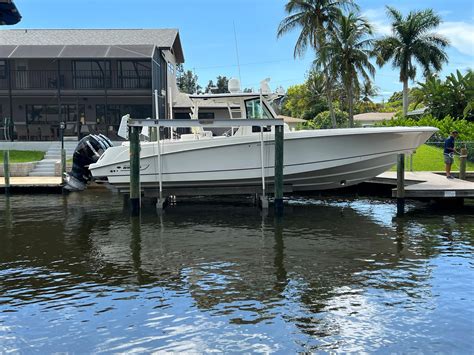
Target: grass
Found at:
x=23, y=156
x=429, y=158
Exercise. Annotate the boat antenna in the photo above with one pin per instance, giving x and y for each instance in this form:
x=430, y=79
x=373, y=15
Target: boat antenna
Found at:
x=237, y=52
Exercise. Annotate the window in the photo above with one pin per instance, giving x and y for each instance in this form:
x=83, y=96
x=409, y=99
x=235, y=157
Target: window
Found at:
x=3, y=69
x=205, y=115
x=256, y=109
x=113, y=114
x=69, y=113
x=171, y=68
x=35, y=113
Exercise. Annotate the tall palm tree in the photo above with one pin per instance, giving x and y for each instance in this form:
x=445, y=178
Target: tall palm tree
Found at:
x=349, y=49
x=411, y=43
x=316, y=19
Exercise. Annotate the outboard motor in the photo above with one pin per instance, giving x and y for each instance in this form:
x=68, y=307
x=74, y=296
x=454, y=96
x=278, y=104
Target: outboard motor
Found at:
x=88, y=151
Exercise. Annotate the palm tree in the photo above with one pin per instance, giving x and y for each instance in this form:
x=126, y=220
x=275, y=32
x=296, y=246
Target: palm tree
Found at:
x=349, y=49
x=411, y=43
x=315, y=18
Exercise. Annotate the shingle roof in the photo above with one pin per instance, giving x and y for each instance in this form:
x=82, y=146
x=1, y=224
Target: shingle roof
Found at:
x=162, y=38
x=374, y=116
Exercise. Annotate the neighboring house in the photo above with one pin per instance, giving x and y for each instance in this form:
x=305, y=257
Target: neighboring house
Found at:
x=292, y=121
x=86, y=78
x=370, y=118
x=418, y=112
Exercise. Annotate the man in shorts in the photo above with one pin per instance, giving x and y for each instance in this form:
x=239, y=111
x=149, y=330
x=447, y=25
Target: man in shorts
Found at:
x=449, y=151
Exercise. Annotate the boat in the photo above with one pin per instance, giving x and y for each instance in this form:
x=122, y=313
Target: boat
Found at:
x=216, y=160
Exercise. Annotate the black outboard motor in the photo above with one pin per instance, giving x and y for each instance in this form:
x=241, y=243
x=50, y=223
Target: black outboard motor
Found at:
x=88, y=151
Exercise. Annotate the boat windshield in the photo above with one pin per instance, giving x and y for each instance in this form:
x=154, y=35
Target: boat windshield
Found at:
x=255, y=109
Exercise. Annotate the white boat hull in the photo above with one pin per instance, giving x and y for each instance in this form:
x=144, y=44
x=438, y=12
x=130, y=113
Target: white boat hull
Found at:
x=313, y=160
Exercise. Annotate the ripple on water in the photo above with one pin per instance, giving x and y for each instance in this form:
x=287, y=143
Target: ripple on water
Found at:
x=78, y=274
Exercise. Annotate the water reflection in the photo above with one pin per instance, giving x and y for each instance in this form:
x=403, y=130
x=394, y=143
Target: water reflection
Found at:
x=220, y=277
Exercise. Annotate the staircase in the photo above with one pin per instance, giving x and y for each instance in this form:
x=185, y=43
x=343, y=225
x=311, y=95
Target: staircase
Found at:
x=46, y=166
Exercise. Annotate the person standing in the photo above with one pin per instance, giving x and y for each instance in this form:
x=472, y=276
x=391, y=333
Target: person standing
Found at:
x=449, y=151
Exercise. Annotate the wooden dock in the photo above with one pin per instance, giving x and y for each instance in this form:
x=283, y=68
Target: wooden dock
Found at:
x=32, y=181
x=428, y=185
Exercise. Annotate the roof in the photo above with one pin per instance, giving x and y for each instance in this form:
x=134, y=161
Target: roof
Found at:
x=32, y=43
x=418, y=111
x=374, y=116
x=288, y=119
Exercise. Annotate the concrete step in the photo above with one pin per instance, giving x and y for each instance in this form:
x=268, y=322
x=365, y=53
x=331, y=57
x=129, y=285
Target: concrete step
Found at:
x=41, y=173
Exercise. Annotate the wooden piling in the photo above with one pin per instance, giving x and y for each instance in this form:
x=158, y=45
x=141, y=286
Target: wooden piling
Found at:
x=400, y=185
x=134, y=170
x=6, y=170
x=63, y=164
x=278, y=170
x=463, y=164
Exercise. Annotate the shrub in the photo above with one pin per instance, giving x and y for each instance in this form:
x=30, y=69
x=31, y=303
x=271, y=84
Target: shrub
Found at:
x=323, y=120
x=445, y=126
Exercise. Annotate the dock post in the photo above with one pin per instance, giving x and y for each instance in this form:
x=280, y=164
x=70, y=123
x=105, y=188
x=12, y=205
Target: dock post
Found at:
x=63, y=164
x=400, y=185
x=6, y=170
x=134, y=170
x=462, y=164
x=279, y=170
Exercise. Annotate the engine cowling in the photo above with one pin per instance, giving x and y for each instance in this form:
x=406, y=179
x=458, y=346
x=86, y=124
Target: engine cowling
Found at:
x=88, y=151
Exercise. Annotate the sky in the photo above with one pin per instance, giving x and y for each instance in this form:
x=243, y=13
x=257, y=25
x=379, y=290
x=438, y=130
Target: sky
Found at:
x=210, y=44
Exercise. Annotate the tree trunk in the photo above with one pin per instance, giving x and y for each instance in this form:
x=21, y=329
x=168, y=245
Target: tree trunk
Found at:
x=350, y=95
x=331, y=110
x=405, y=97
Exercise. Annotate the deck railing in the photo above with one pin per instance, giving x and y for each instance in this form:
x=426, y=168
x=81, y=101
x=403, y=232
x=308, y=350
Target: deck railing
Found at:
x=77, y=80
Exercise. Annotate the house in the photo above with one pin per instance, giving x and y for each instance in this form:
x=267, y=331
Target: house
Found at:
x=370, y=118
x=292, y=122
x=85, y=78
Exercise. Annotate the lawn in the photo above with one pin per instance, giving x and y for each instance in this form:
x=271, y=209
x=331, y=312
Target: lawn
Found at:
x=23, y=156
x=430, y=158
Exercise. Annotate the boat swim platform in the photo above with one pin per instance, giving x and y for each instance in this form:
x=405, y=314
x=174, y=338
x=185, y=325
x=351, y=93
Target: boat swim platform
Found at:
x=423, y=184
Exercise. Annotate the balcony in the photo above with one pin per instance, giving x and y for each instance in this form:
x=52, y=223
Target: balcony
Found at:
x=78, y=80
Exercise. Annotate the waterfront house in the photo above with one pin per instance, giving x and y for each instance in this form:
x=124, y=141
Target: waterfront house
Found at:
x=86, y=78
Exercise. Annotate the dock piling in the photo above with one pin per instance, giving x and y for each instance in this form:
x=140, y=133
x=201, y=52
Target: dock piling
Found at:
x=6, y=170
x=278, y=170
x=462, y=164
x=63, y=165
x=135, y=191
x=400, y=185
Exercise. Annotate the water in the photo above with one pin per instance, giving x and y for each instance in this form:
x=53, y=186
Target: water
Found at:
x=78, y=275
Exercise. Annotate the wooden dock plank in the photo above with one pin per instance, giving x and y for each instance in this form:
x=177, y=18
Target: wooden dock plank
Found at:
x=427, y=184
x=32, y=181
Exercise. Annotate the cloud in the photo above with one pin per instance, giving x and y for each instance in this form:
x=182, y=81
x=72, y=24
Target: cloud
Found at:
x=459, y=33
x=378, y=18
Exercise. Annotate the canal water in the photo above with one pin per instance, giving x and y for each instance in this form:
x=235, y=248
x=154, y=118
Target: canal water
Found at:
x=77, y=274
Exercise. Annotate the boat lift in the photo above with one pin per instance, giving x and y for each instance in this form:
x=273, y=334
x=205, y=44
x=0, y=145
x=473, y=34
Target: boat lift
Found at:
x=135, y=125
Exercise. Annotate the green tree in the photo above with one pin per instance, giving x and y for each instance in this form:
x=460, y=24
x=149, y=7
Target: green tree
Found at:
x=349, y=49
x=186, y=80
x=220, y=87
x=411, y=43
x=315, y=19
x=449, y=97
x=306, y=100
